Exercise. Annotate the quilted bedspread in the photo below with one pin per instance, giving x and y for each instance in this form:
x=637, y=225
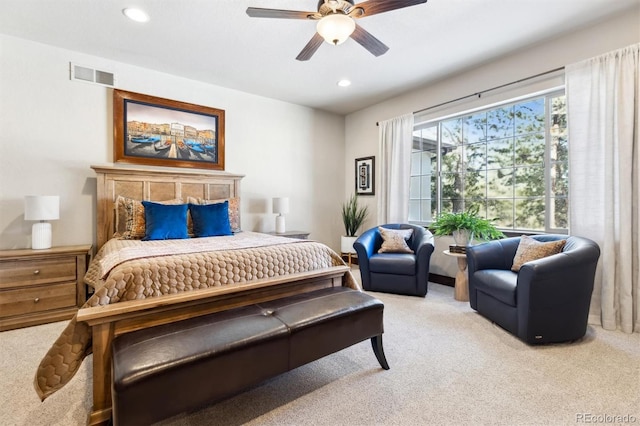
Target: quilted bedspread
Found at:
x=132, y=269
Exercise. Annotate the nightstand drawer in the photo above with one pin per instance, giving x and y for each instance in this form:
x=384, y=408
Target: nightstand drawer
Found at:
x=37, y=271
x=40, y=286
x=37, y=299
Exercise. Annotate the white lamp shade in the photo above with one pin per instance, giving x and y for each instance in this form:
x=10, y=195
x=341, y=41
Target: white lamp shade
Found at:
x=281, y=205
x=41, y=207
x=336, y=28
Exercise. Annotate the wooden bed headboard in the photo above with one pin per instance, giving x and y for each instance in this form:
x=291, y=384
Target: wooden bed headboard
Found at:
x=155, y=185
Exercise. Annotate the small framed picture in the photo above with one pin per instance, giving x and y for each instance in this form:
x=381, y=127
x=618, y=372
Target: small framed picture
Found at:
x=366, y=176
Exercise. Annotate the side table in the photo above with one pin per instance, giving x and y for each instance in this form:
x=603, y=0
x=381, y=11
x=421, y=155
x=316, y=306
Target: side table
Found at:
x=40, y=286
x=462, y=282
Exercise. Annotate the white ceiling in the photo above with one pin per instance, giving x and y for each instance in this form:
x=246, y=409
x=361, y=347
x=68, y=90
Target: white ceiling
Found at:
x=214, y=41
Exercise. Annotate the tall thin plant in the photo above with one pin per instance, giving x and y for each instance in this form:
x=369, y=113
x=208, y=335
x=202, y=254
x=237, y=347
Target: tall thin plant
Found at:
x=353, y=215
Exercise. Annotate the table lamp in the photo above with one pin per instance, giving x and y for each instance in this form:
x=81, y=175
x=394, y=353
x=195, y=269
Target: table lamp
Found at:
x=281, y=207
x=41, y=208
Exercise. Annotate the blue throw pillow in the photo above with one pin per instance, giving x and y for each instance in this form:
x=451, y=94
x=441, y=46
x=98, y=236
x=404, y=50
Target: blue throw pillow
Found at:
x=210, y=220
x=165, y=221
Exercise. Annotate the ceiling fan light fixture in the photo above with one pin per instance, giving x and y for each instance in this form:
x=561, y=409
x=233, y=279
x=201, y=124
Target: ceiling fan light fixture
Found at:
x=134, y=14
x=336, y=28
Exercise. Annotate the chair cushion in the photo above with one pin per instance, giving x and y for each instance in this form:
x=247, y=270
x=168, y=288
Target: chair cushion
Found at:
x=529, y=249
x=497, y=283
x=393, y=263
x=394, y=240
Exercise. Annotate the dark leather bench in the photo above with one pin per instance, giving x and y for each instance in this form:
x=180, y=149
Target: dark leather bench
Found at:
x=179, y=367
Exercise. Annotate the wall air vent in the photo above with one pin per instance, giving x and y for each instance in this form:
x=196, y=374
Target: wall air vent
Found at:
x=90, y=75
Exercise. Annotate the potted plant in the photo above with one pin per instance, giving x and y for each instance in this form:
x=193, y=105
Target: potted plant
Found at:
x=465, y=226
x=352, y=216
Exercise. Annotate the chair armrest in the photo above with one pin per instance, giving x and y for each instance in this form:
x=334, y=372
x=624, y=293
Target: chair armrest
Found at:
x=425, y=249
x=554, y=293
x=366, y=244
x=558, y=279
x=423, y=258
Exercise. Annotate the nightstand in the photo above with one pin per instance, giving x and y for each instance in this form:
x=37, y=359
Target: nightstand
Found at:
x=292, y=234
x=41, y=286
x=350, y=258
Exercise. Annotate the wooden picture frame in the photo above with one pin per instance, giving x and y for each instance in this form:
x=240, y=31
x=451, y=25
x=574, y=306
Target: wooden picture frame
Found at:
x=366, y=176
x=161, y=132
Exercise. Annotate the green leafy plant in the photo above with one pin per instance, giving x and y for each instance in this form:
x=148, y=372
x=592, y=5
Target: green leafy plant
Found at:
x=477, y=226
x=353, y=216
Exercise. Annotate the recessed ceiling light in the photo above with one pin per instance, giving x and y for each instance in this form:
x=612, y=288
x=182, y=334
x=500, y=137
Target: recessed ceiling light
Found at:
x=134, y=14
x=344, y=83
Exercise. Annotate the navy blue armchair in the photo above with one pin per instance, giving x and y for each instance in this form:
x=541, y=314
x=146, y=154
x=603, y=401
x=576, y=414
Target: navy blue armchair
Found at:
x=547, y=301
x=400, y=273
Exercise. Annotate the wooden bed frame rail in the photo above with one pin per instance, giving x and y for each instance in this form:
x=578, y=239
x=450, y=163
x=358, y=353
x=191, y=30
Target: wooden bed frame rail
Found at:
x=110, y=321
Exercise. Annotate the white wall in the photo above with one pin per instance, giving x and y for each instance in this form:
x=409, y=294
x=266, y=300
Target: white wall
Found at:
x=52, y=130
x=362, y=133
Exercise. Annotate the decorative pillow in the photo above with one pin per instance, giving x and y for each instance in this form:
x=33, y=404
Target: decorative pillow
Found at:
x=165, y=221
x=530, y=249
x=234, y=210
x=130, y=222
x=394, y=240
x=210, y=220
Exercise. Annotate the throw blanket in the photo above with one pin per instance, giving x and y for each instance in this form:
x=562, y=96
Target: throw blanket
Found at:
x=123, y=270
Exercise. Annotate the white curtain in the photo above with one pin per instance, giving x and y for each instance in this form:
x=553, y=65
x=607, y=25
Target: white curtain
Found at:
x=395, y=138
x=603, y=96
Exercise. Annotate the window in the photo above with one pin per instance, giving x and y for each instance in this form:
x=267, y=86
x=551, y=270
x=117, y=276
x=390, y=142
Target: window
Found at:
x=508, y=161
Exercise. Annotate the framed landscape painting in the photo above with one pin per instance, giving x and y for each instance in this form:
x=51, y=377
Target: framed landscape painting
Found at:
x=365, y=176
x=161, y=132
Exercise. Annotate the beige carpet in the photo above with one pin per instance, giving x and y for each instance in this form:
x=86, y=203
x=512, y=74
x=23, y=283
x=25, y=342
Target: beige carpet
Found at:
x=449, y=366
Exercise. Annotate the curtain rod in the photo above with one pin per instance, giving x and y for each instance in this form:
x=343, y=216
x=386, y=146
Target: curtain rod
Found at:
x=479, y=94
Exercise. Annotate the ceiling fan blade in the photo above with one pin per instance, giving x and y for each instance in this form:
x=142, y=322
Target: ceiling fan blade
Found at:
x=310, y=48
x=368, y=41
x=373, y=7
x=257, y=12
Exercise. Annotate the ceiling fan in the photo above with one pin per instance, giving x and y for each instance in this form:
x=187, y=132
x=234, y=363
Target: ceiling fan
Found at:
x=336, y=22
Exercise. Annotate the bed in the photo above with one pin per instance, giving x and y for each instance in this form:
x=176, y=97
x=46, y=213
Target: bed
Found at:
x=140, y=284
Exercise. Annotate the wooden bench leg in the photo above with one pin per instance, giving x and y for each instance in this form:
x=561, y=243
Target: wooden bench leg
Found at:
x=376, y=343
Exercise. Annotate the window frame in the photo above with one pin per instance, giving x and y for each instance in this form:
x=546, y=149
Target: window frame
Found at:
x=548, y=96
